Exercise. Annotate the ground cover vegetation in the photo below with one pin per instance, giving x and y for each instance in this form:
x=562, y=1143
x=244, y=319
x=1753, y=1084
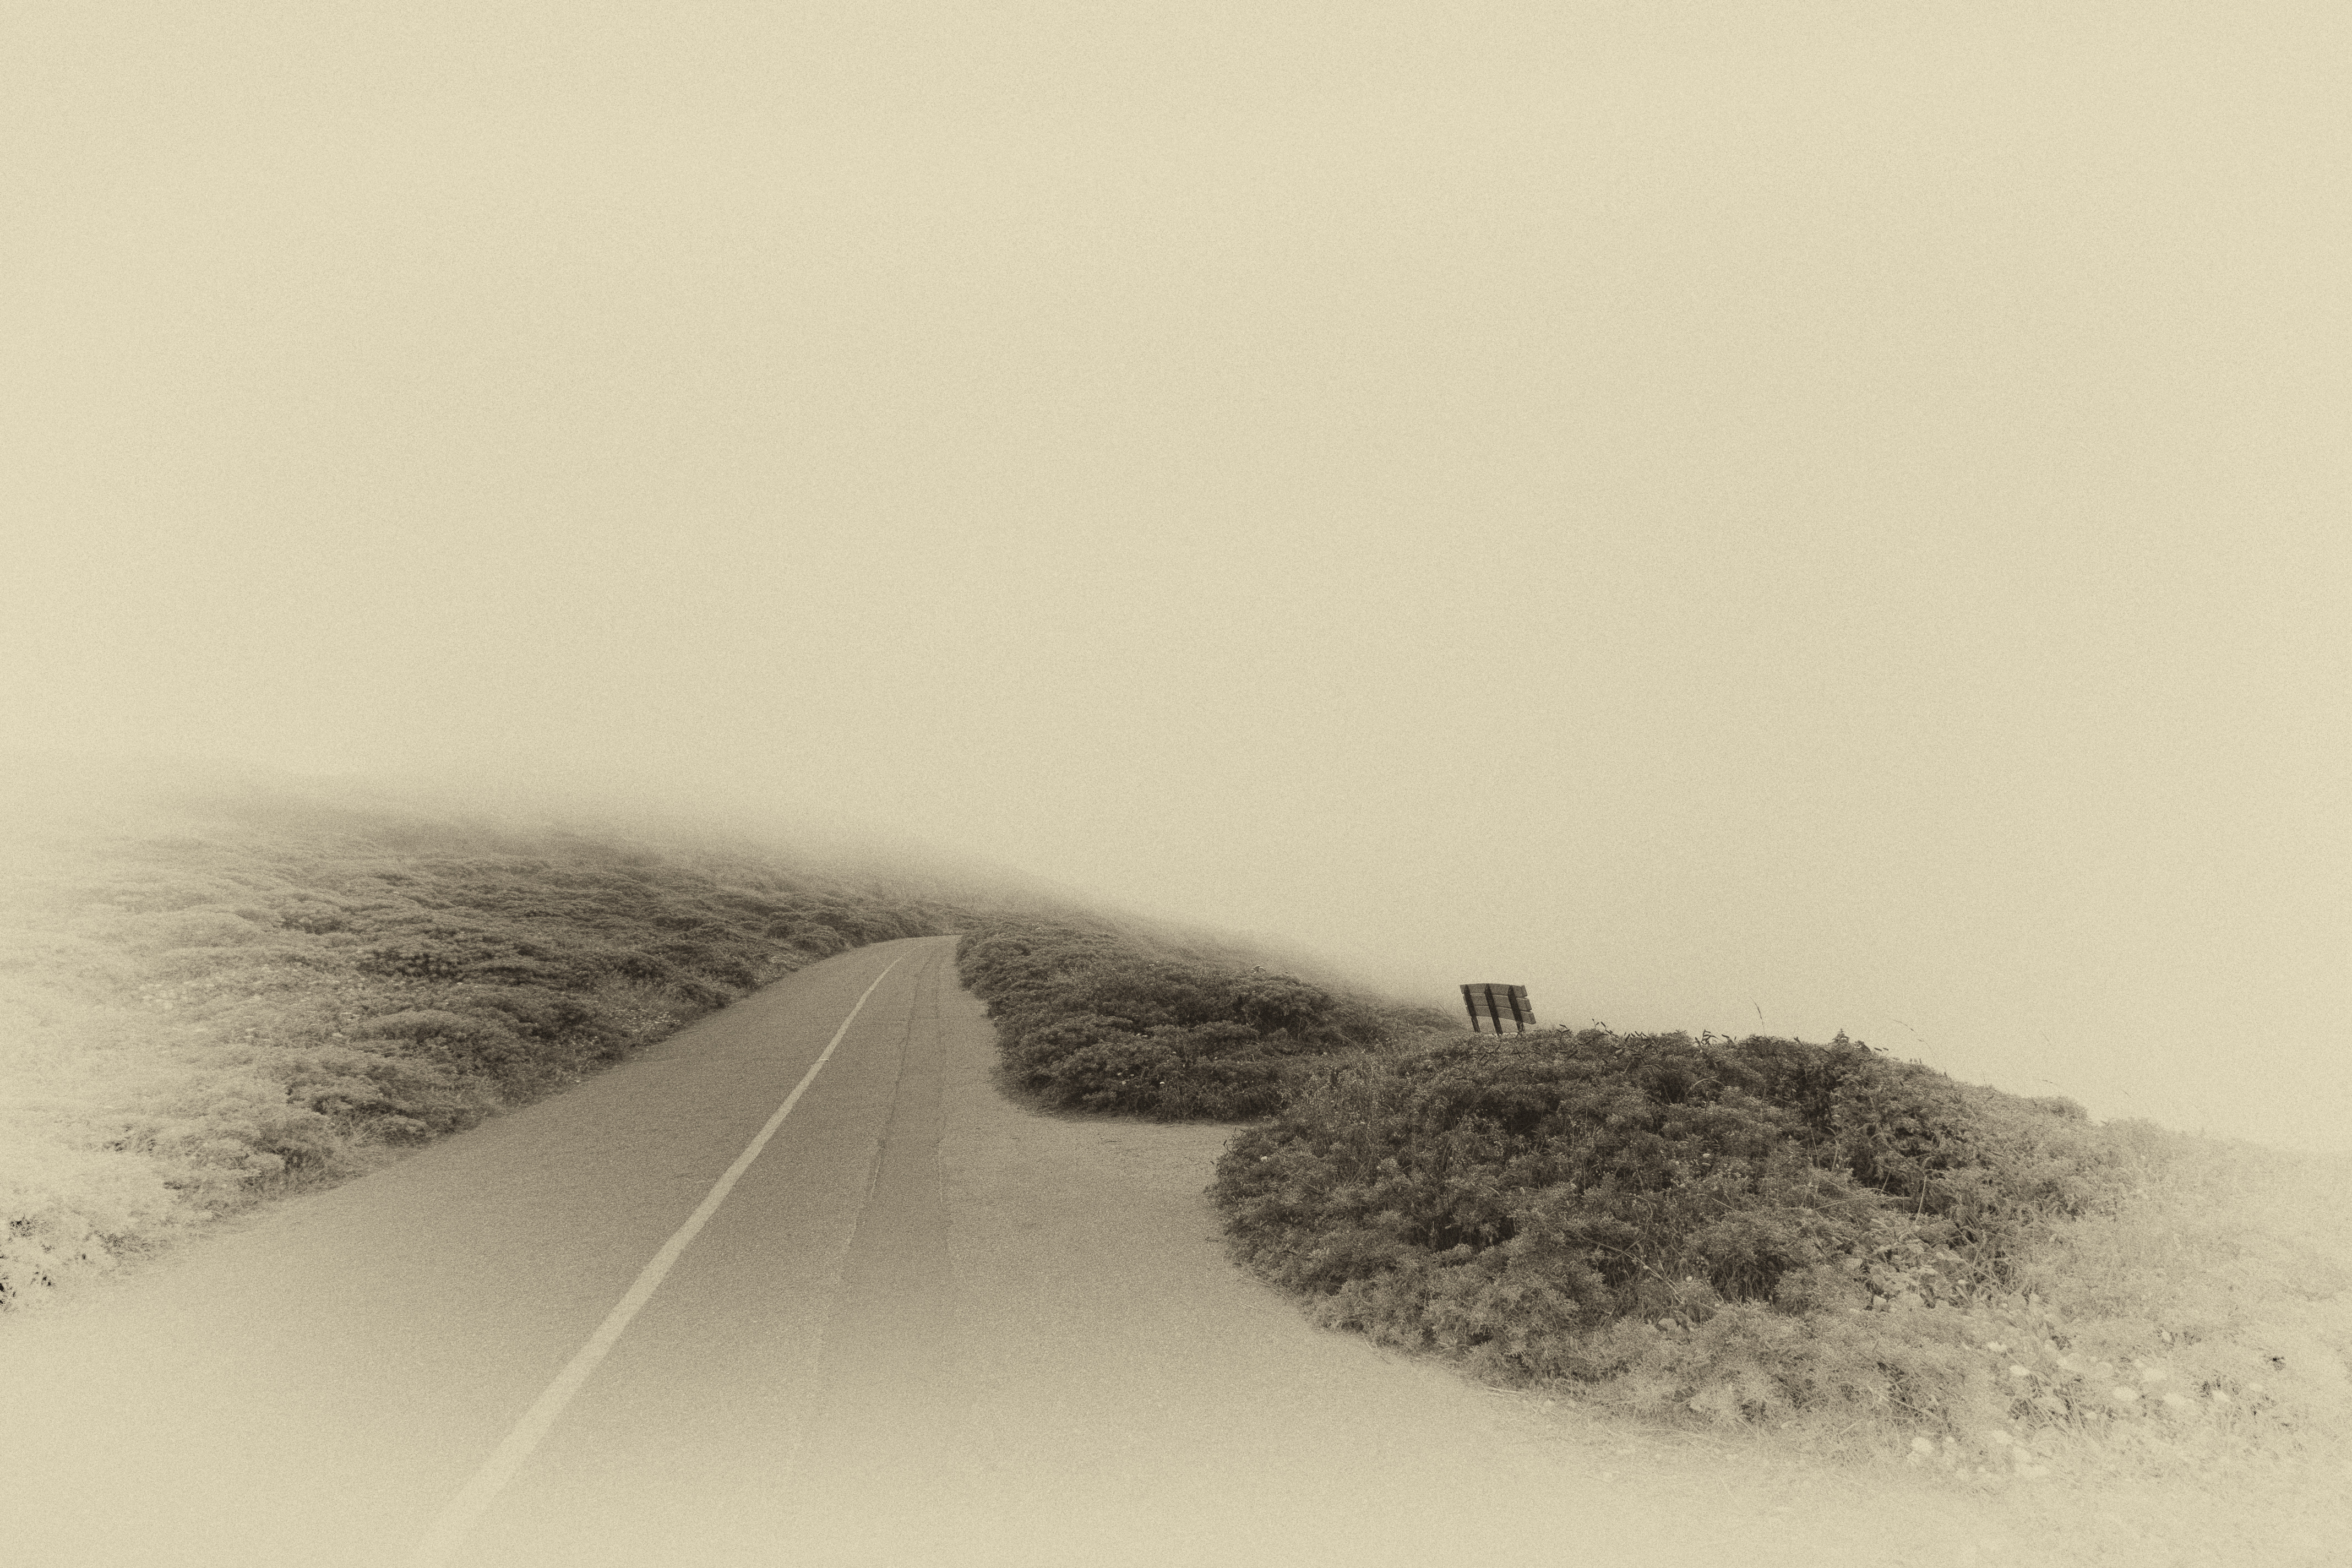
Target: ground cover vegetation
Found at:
x=1818, y=1240
x=1761, y=1240
x=1098, y=1017
x=1814, y=1244
x=247, y=994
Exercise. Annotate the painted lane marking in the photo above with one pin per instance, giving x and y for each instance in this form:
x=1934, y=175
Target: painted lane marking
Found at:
x=471, y=1502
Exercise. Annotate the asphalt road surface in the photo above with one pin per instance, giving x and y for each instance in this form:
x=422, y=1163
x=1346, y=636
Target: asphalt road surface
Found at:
x=923, y=1325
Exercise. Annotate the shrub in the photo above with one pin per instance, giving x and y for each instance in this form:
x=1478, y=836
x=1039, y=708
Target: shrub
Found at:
x=1093, y=1020
x=1739, y=1229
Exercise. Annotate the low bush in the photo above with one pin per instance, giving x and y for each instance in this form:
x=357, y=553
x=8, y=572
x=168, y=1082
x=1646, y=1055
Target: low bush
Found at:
x=1105, y=1020
x=1605, y=1172
x=1811, y=1237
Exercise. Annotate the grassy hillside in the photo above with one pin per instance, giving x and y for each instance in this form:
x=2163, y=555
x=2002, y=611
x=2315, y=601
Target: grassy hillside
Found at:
x=210, y=995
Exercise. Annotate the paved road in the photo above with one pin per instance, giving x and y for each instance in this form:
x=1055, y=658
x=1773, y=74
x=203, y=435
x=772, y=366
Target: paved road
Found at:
x=926, y=1326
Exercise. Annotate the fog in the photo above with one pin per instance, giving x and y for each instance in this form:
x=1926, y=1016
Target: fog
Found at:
x=1788, y=518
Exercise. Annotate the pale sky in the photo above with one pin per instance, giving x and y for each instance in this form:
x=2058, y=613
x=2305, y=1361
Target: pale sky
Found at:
x=1798, y=516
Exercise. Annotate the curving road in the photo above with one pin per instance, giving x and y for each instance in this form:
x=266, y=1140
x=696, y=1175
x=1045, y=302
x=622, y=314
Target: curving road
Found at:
x=924, y=1326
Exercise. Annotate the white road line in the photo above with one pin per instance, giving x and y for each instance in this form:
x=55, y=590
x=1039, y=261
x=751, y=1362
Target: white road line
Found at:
x=478, y=1493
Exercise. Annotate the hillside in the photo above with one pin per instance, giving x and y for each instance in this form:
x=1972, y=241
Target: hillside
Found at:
x=214, y=990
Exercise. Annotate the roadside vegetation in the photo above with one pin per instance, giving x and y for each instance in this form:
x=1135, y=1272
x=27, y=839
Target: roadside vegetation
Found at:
x=1091, y=1017
x=1813, y=1237
x=214, y=999
x=1815, y=1247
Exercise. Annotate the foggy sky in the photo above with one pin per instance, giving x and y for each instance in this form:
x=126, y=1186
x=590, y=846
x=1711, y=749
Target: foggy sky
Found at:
x=1786, y=516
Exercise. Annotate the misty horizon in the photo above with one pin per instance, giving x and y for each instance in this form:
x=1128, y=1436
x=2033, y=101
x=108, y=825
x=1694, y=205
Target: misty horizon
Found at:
x=153, y=795
x=1750, y=521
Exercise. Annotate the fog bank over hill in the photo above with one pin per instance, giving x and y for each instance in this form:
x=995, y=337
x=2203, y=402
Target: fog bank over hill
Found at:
x=83, y=799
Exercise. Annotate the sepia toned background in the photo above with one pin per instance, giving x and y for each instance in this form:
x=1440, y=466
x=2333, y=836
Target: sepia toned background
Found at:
x=1786, y=516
